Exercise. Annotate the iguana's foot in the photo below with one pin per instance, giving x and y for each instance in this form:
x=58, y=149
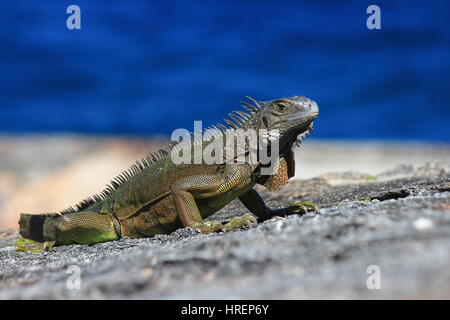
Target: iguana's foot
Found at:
x=27, y=245
x=238, y=222
x=295, y=208
x=210, y=227
x=303, y=207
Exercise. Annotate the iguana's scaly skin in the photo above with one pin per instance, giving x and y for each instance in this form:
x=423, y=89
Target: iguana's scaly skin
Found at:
x=158, y=196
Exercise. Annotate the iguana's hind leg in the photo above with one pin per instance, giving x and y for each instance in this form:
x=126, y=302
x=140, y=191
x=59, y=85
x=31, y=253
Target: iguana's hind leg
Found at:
x=84, y=228
x=204, y=186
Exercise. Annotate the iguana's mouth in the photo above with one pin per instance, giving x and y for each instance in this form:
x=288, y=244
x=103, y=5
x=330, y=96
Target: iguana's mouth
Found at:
x=303, y=135
x=303, y=117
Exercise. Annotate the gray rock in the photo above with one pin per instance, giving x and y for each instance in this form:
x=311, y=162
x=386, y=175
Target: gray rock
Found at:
x=399, y=227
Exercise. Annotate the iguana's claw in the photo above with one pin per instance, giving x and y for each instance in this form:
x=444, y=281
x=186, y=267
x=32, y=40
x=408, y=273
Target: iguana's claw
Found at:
x=304, y=206
x=26, y=245
x=48, y=245
x=246, y=221
x=210, y=227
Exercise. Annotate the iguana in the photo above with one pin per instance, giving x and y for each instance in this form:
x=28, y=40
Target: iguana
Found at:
x=157, y=196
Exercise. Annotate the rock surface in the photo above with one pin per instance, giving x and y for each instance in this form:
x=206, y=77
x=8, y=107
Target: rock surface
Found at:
x=395, y=225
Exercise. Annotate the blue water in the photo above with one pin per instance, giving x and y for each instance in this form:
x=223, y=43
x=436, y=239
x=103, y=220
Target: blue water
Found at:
x=145, y=67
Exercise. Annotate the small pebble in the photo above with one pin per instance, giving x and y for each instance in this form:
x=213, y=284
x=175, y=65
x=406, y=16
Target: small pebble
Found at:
x=423, y=224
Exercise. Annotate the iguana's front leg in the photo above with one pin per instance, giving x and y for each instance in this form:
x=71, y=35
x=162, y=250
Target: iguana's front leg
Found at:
x=204, y=186
x=253, y=202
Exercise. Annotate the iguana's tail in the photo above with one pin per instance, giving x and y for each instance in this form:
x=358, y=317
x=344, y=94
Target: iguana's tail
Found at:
x=82, y=227
x=38, y=227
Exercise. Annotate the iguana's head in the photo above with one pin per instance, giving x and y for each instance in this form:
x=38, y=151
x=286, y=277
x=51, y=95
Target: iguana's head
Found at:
x=287, y=119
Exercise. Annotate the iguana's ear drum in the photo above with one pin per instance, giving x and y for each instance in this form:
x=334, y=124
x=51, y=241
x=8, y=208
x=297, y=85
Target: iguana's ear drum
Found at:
x=290, y=161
